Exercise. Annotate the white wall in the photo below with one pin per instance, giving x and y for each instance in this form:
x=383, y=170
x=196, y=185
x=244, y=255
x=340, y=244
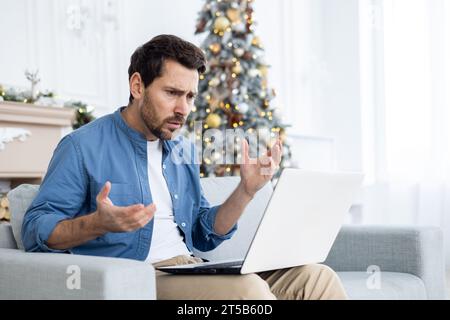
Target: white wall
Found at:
x=340, y=103
x=312, y=46
x=74, y=63
x=141, y=20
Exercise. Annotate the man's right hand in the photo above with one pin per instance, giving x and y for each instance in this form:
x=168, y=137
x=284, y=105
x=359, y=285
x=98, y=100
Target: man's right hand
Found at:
x=108, y=218
x=111, y=218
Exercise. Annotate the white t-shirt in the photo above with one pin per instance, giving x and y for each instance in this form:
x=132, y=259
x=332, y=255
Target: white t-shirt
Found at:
x=167, y=241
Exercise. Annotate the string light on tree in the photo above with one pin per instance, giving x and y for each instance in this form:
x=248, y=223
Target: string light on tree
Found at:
x=215, y=48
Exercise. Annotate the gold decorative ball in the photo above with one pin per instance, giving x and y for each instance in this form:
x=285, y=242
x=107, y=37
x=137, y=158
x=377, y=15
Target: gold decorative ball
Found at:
x=256, y=41
x=234, y=15
x=263, y=70
x=213, y=120
x=221, y=24
x=237, y=69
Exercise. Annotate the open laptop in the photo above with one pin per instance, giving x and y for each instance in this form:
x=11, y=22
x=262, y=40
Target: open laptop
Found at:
x=300, y=223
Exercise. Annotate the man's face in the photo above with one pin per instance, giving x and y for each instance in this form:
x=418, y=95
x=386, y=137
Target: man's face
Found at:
x=168, y=100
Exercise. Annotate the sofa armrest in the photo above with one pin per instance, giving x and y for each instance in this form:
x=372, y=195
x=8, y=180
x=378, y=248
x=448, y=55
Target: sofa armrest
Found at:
x=26, y=275
x=414, y=250
x=6, y=236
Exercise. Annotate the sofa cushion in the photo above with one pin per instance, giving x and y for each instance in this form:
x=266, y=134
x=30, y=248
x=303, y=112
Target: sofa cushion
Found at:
x=20, y=199
x=392, y=286
x=217, y=190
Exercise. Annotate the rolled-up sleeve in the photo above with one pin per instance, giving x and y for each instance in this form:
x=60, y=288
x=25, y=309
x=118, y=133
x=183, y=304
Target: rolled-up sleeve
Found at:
x=60, y=197
x=205, y=238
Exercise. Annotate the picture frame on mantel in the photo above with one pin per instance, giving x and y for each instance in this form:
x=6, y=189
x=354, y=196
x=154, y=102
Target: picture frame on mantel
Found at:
x=28, y=136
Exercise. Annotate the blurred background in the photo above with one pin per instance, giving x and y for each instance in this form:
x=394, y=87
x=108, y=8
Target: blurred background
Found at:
x=363, y=84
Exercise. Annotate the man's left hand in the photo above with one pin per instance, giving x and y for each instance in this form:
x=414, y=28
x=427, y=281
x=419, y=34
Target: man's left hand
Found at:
x=255, y=173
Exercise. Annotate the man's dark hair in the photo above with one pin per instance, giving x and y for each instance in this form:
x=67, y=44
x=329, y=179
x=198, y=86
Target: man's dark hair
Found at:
x=149, y=58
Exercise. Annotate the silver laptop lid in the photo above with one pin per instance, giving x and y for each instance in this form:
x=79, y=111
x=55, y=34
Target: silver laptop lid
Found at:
x=302, y=219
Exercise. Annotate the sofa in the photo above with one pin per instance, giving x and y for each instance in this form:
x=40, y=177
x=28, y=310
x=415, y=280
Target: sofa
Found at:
x=373, y=262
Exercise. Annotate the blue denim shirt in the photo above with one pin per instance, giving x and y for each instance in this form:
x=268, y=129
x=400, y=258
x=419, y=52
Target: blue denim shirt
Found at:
x=109, y=150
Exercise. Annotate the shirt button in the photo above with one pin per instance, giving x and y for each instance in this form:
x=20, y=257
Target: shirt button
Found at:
x=164, y=166
x=183, y=224
x=175, y=196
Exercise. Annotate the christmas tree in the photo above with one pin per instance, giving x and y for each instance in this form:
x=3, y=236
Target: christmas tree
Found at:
x=233, y=92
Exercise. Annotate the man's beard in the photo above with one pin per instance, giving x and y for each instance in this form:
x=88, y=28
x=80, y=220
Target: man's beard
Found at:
x=151, y=120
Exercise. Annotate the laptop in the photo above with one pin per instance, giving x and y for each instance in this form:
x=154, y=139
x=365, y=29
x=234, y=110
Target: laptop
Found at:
x=299, y=225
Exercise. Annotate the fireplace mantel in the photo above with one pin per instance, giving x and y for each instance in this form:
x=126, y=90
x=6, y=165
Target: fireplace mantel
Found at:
x=29, y=135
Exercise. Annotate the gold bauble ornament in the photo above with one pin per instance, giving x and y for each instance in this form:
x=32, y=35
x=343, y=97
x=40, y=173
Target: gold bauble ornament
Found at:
x=237, y=69
x=256, y=41
x=221, y=24
x=213, y=120
x=233, y=15
x=263, y=70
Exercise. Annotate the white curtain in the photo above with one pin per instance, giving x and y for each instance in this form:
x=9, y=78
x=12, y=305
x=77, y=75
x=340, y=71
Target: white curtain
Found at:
x=411, y=179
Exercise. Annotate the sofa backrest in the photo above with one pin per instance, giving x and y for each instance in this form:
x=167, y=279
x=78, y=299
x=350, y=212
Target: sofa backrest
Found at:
x=216, y=190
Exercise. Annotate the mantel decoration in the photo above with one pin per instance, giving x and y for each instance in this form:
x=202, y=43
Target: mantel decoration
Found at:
x=9, y=134
x=83, y=112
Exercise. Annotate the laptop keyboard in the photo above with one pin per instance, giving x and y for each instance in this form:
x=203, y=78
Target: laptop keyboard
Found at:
x=236, y=263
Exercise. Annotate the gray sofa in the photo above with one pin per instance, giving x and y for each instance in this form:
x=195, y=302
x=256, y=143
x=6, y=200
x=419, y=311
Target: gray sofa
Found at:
x=373, y=262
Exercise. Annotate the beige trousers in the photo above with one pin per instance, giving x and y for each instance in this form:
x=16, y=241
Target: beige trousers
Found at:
x=309, y=282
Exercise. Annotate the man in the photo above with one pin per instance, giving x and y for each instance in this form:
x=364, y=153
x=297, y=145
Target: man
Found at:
x=113, y=189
